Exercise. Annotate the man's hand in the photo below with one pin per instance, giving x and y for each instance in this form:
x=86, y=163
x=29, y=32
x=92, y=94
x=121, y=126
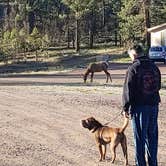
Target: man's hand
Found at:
x=125, y=114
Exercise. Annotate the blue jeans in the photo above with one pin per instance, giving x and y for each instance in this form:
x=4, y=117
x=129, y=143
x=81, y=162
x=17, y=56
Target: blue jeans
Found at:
x=145, y=129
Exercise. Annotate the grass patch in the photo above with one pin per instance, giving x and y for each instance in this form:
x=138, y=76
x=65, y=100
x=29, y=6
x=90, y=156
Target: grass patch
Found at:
x=62, y=59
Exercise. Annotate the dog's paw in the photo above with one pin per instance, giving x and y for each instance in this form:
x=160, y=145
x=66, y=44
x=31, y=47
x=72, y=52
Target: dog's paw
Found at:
x=100, y=160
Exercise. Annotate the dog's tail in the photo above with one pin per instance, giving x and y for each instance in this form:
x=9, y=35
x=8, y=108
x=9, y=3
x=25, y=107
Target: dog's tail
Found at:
x=126, y=122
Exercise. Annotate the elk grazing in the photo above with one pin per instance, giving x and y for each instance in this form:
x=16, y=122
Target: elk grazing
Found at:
x=97, y=67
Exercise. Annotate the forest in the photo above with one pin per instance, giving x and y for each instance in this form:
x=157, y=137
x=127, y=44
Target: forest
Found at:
x=33, y=25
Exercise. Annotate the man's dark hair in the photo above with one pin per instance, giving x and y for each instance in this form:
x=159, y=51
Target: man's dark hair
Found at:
x=138, y=49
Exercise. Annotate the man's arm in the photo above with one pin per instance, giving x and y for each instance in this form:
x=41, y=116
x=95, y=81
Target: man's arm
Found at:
x=159, y=78
x=128, y=89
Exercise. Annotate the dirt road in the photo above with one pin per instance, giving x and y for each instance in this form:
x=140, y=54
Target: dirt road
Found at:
x=40, y=119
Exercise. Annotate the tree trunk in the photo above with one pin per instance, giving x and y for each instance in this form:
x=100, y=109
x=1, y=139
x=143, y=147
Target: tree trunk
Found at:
x=91, y=29
x=8, y=10
x=116, y=38
x=68, y=36
x=120, y=40
x=31, y=21
x=103, y=1
x=68, y=32
x=90, y=38
x=77, y=40
x=73, y=40
x=36, y=56
x=147, y=21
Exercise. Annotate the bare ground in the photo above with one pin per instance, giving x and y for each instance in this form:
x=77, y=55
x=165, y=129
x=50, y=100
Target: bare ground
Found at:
x=40, y=120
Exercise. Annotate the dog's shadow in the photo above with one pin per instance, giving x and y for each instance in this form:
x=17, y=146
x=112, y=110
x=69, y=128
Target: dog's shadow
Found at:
x=116, y=162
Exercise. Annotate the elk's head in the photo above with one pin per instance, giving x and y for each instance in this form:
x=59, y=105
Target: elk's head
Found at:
x=84, y=76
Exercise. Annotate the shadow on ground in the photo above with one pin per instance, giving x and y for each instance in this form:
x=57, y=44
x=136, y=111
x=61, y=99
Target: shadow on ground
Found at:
x=63, y=62
x=23, y=67
x=70, y=84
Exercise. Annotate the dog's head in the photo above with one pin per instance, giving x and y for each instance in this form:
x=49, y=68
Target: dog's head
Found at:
x=91, y=124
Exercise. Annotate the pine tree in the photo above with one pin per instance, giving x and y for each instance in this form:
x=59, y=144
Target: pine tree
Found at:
x=79, y=8
x=158, y=12
x=131, y=22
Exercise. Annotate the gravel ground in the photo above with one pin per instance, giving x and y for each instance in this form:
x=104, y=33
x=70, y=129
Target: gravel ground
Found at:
x=40, y=121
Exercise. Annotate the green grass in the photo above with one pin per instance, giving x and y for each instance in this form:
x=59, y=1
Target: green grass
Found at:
x=116, y=54
x=62, y=59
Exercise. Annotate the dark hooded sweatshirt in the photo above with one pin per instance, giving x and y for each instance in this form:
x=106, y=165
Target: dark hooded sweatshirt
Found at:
x=142, y=84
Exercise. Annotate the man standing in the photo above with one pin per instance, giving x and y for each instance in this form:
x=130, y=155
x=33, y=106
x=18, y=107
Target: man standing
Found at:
x=141, y=99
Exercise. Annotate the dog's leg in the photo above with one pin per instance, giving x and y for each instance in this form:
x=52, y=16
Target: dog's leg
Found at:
x=104, y=151
x=113, y=151
x=124, y=148
x=101, y=152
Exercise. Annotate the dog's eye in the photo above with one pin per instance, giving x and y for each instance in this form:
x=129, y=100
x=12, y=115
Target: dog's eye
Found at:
x=87, y=121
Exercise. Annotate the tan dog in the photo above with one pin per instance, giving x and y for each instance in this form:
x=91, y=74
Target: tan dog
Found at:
x=105, y=135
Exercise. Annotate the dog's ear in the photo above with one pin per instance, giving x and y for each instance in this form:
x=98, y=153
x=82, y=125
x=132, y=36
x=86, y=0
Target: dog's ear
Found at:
x=95, y=122
x=92, y=118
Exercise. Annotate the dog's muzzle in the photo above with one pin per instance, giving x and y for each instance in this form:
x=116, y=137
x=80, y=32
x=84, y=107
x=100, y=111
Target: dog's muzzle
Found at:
x=84, y=124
